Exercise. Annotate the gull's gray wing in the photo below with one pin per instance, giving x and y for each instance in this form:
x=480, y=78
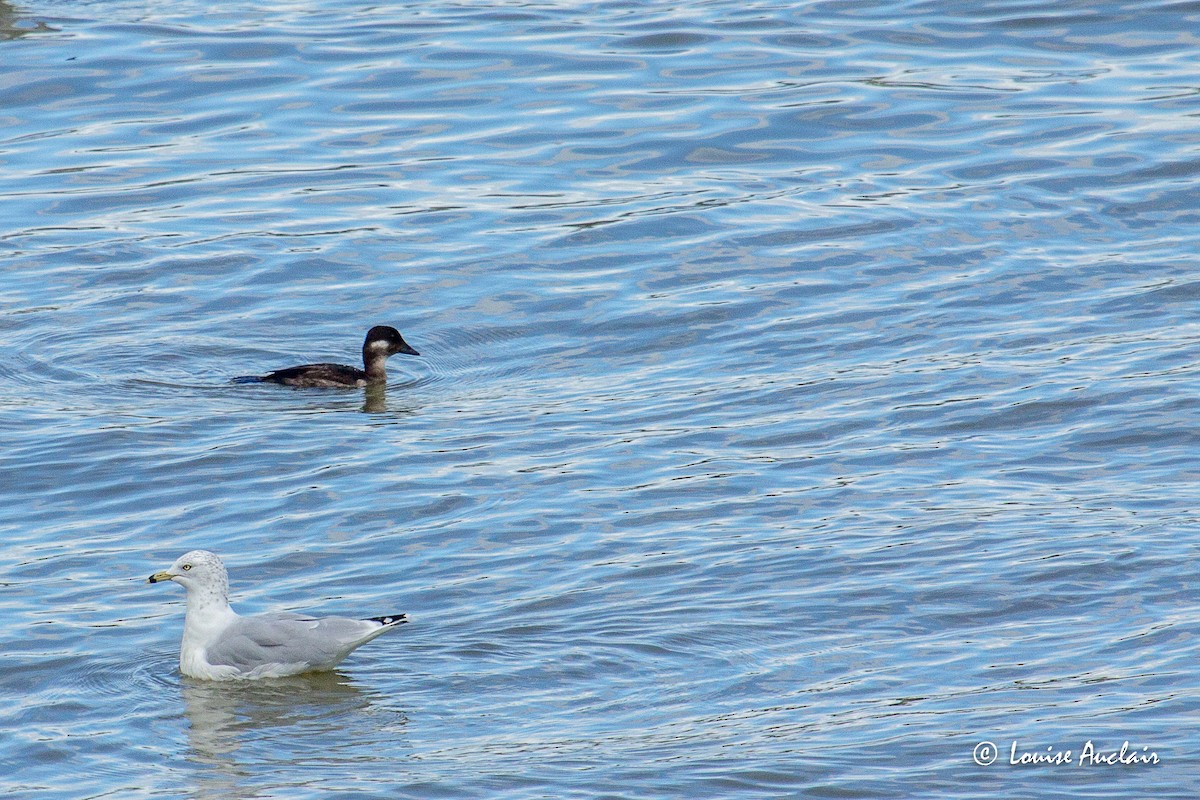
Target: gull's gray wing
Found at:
x=252, y=642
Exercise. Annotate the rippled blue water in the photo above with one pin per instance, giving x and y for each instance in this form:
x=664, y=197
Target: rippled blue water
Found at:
x=807, y=394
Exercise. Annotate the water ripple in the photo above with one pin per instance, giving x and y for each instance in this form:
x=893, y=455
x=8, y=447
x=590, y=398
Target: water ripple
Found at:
x=807, y=383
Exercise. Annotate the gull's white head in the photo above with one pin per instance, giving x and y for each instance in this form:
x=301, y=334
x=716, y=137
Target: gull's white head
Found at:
x=197, y=570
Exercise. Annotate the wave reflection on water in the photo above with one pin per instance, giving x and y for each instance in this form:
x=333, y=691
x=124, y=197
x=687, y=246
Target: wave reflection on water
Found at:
x=804, y=393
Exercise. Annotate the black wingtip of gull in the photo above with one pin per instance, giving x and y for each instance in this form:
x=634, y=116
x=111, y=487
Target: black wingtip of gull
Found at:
x=392, y=619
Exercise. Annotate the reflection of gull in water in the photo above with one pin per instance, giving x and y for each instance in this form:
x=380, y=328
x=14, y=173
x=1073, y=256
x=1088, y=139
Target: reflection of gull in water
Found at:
x=239, y=729
x=219, y=715
x=220, y=645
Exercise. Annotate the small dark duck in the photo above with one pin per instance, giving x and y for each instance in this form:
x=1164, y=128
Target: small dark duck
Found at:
x=382, y=341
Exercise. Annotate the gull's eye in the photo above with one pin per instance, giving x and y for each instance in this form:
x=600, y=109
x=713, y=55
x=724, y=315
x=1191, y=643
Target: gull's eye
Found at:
x=186, y=567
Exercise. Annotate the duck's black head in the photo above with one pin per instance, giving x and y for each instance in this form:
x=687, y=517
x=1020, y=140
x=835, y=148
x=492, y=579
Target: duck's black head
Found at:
x=386, y=340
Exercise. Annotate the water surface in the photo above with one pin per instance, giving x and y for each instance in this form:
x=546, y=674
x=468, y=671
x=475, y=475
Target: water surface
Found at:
x=806, y=394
